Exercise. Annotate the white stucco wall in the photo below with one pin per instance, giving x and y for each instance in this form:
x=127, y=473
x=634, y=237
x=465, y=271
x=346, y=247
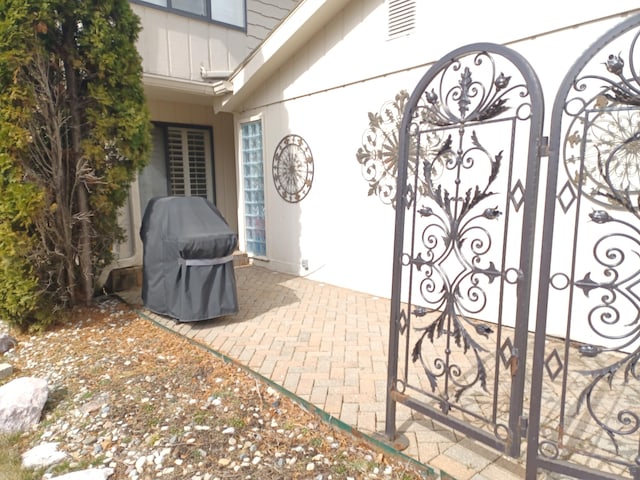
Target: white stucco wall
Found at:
x=326, y=89
x=344, y=235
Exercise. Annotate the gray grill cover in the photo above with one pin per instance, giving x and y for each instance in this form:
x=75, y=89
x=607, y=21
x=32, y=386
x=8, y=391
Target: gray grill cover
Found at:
x=187, y=263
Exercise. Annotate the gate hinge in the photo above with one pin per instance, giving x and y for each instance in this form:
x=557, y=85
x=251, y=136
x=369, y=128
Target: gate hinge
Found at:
x=543, y=147
x=513, y=361
x=524, y=426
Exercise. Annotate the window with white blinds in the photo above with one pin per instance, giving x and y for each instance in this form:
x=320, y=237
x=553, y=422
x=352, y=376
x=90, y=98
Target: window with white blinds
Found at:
x=181, y=164
x=189, y=162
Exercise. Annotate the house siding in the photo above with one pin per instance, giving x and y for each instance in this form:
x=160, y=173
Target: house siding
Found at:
x=179, y=47
x=263, y=17
x=175, y=46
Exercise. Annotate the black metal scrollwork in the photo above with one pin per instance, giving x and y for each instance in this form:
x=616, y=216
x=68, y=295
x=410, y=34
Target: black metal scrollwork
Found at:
x=618, y=301
x=602, y=144
x=456, y=216
x=378, y=154
x=602, y=160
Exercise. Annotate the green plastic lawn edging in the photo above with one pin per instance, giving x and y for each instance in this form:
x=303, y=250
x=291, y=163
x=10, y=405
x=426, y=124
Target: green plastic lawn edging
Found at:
x=329, y=419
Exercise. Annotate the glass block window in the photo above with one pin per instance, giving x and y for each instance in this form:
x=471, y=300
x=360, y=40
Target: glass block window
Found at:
x=253, y=187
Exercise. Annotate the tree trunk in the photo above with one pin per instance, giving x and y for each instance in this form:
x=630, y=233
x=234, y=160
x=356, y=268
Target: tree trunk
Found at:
x=84, y=245
x=50, y=163
x=82, y=196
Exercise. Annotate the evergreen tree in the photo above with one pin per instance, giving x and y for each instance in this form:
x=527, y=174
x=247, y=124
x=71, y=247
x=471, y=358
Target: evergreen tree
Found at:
x=74, y=131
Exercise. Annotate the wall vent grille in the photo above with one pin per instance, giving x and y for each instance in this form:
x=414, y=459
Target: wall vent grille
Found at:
x=402, y=17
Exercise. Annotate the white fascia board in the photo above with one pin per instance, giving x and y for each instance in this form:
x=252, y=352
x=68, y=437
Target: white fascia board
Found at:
x=292, y=33
x=178, y=85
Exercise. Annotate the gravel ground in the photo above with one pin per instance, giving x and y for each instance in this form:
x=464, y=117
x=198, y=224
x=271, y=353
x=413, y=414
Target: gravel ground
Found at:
x=131, y=396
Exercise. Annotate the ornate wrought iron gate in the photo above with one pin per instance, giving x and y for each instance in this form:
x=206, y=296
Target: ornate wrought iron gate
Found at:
x=466, y=264
x=590, y=270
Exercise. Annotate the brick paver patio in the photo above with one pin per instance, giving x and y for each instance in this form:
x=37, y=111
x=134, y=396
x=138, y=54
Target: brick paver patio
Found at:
x=328, y=346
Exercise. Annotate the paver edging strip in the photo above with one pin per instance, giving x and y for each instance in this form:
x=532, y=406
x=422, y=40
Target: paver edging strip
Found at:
x=431, y=473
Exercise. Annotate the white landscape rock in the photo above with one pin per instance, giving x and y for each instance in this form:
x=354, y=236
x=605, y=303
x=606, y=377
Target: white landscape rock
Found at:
x=43, y=455
x=21, y=403
x=90, y=474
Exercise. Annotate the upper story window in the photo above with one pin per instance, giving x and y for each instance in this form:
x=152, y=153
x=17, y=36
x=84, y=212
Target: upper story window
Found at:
x=229, y=12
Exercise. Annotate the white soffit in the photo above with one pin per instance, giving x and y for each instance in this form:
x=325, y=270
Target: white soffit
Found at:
x=160, y=87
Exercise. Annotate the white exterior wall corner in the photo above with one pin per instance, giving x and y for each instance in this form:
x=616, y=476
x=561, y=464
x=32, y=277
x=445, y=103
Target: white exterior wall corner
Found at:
x=324, y=88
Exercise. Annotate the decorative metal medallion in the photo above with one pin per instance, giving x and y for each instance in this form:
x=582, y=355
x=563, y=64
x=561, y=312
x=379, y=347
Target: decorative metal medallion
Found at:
x=293, y=168
x=378, y=154
x=605, y=135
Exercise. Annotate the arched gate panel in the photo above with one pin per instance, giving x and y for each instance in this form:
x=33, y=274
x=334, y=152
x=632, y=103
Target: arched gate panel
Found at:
x=468, y=170
x=584, y=413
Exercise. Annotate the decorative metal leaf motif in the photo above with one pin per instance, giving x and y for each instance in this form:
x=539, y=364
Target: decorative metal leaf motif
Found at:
x=474, y=101
x=456, y=209
x=465, y=85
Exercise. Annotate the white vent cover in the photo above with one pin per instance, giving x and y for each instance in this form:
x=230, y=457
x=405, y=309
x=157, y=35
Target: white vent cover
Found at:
x=402, y=17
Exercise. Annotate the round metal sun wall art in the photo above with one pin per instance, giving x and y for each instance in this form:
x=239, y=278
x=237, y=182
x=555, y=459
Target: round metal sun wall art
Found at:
x=293, y=168
x=609, y=144
x=378, y=155
x=602, y=140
